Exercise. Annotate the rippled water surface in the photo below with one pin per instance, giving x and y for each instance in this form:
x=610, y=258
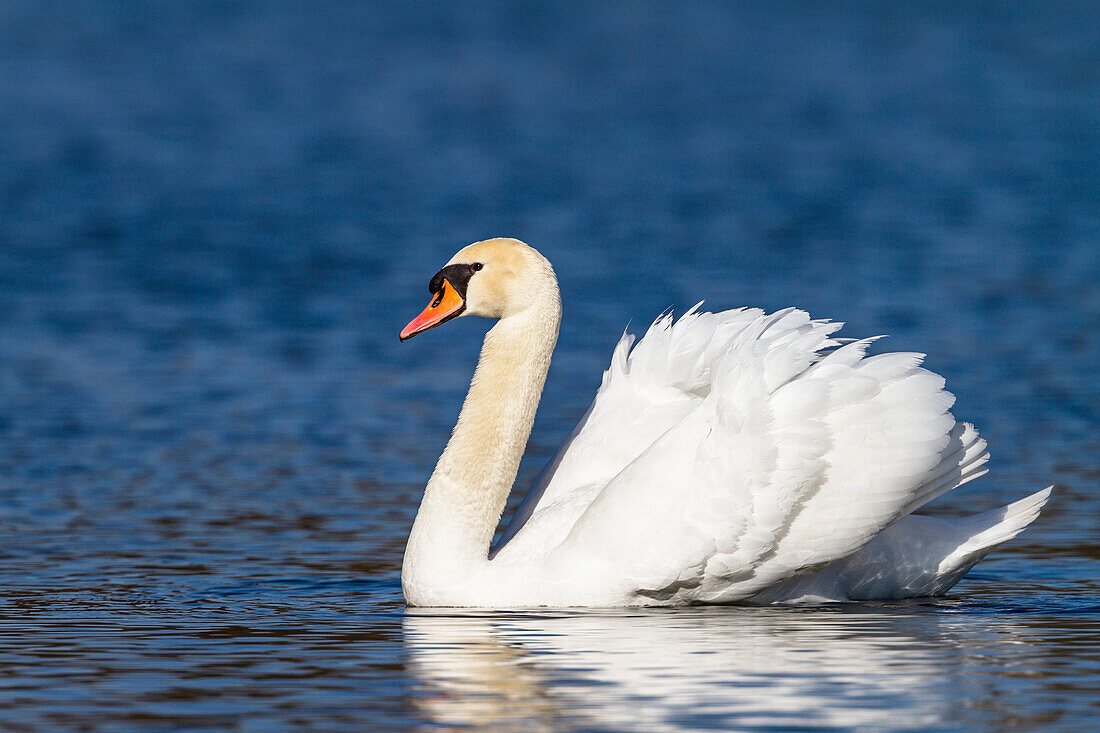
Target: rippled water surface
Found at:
x=215, y=218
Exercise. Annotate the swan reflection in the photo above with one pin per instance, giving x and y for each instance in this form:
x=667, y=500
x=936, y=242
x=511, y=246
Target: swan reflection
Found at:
x=696, y=668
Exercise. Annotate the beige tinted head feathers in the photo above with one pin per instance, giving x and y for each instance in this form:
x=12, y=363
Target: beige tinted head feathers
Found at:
x=495, y=278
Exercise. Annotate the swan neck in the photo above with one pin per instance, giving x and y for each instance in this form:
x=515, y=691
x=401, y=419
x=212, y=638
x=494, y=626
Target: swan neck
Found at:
x=466, y=494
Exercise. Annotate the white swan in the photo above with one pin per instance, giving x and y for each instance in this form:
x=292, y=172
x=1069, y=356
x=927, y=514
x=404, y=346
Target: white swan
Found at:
x=733, y=456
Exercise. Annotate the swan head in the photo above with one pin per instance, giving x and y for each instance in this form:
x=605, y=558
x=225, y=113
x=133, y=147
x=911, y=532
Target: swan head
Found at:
x=495, y=278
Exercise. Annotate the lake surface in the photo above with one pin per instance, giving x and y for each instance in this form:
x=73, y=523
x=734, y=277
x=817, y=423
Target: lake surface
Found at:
x=216, y=217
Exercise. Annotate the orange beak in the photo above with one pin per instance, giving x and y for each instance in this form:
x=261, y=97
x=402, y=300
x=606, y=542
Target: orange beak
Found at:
x=446, y=305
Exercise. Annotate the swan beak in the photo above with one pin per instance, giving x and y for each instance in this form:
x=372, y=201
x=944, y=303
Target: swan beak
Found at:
x=446, y=305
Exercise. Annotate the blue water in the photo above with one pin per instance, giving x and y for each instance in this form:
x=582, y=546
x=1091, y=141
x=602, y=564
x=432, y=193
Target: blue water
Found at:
x=215, y=218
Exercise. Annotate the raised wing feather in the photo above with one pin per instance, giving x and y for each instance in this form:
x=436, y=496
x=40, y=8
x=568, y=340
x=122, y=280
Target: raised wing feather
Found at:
x=779, y=455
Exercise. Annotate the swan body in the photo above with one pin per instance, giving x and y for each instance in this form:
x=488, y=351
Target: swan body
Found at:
x=727, y=457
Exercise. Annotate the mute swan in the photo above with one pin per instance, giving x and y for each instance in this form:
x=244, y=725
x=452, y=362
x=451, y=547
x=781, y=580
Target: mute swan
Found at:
x=733, y=456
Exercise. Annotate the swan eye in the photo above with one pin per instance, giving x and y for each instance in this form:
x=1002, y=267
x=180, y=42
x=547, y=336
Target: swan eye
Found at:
x=476, y=266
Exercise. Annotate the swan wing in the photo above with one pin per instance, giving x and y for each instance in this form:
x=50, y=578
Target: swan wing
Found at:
x=797, y=453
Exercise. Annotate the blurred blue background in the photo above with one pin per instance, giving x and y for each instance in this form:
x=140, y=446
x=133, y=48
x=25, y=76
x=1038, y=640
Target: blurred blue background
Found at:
x=215, y=217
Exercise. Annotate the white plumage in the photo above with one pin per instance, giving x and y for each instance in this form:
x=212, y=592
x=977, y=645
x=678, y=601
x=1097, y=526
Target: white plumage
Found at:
x=740, y=456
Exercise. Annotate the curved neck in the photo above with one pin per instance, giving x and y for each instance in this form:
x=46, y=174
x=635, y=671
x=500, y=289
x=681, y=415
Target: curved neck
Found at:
x=466, y=494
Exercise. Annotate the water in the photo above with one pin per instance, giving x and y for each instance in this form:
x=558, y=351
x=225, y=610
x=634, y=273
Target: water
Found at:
x=215, y=218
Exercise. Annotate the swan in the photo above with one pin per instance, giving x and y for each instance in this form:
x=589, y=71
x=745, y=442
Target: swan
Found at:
x=727, y=457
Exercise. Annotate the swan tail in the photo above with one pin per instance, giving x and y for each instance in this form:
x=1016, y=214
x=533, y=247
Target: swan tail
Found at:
x=996, y=527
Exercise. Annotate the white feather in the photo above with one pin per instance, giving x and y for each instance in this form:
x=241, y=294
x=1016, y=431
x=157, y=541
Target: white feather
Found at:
x=733, y=456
